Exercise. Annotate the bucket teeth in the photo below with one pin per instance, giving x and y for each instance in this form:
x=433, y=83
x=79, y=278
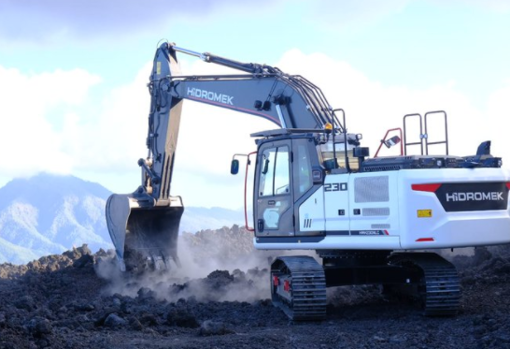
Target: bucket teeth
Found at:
x=121, y=264
x=159, y=263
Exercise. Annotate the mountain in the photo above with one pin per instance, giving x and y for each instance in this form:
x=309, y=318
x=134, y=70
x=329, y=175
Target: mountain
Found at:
x=48, y=214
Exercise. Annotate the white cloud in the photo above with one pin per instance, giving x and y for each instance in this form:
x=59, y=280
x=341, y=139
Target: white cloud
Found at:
x=331, y=14
x=55, y=21
x=114, y=140
x=498, y=6
x=494, y=121
x=29, y=139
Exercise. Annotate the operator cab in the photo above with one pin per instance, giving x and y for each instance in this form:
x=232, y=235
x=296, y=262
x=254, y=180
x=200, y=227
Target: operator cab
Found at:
x=291, y=165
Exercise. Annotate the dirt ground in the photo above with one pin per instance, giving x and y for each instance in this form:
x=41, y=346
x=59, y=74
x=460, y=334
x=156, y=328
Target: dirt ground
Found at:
x=79, y=300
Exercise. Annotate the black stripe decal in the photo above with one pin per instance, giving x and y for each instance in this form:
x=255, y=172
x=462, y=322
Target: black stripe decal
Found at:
x=355, y=232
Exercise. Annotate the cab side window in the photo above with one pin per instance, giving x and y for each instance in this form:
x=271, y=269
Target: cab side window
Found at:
x=275, y=175
x=302, y=170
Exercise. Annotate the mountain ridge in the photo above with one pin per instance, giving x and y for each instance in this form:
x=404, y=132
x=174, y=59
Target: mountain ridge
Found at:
x=48, y=214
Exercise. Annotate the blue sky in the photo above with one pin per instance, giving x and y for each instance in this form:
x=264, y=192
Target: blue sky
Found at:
x=73, y=77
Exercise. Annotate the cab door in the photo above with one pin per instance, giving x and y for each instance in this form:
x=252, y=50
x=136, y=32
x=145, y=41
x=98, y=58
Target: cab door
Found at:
x=273, y=190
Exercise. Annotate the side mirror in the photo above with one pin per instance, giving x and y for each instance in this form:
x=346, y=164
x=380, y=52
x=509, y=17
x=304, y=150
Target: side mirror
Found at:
x=234, y=167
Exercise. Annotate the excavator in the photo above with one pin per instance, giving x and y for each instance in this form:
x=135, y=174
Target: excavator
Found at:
x=315, y=188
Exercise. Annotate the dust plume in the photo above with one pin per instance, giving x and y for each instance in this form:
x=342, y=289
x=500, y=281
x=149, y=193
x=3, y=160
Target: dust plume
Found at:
x=216, y=265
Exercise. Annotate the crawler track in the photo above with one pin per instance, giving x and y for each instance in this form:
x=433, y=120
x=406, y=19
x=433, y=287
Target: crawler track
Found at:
x=439, y=286
x=298, y=287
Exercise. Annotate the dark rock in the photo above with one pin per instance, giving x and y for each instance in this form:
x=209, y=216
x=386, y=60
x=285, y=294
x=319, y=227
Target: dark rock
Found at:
x=116, y=302
x=83, y=261
x=223, y=275
x=39, y=327
x=73, y=254
x=42, y=343
x=146, y=293
x=25, y=302
x=148, y=319
x=214, y=328
x=45, y=313
x=218, y=280
x=503, y=337
x=82, y=319
x=103, y=315
x=398, y=338
x=84, y=307
x=468, y=280
x=62, y=311
x=175, y=289
x=379, y=338
x=264, y=303
x=34, y=265
x=134, y=324
x=85, y=250
x=482, y=254
x=114, y=321
x=182, y=318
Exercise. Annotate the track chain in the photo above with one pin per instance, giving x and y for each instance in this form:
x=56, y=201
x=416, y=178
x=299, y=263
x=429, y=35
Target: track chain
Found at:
x=305, y=298
x=440, y=286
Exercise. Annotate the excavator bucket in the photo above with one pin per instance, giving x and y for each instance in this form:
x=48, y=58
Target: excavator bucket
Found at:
x=144, y=235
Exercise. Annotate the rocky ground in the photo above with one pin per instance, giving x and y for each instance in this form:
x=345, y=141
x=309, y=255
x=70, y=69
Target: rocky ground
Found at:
x=79, y=300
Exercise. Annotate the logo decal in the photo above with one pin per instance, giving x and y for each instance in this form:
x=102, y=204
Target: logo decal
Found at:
x=474, y=196
x=456, y=197
x=212, y=96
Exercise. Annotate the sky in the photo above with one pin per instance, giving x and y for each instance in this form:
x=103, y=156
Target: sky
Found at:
x=74, y=74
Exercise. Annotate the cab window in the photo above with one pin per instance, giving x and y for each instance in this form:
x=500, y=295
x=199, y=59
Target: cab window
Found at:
x=274, y=172
x=302, y=170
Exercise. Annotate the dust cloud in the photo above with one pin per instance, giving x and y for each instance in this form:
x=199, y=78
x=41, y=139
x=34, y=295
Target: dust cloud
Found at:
x=222, y=265
x=216, y=265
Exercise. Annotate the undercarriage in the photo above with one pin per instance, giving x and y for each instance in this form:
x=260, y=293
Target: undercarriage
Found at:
x=298, y=283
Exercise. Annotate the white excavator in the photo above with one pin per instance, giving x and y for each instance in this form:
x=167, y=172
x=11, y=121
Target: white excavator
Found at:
x=370, y=220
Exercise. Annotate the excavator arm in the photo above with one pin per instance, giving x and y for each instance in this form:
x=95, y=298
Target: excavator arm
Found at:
x=144, y=225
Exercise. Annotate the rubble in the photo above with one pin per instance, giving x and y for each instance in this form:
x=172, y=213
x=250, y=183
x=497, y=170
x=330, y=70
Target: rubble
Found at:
x=62, y=301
